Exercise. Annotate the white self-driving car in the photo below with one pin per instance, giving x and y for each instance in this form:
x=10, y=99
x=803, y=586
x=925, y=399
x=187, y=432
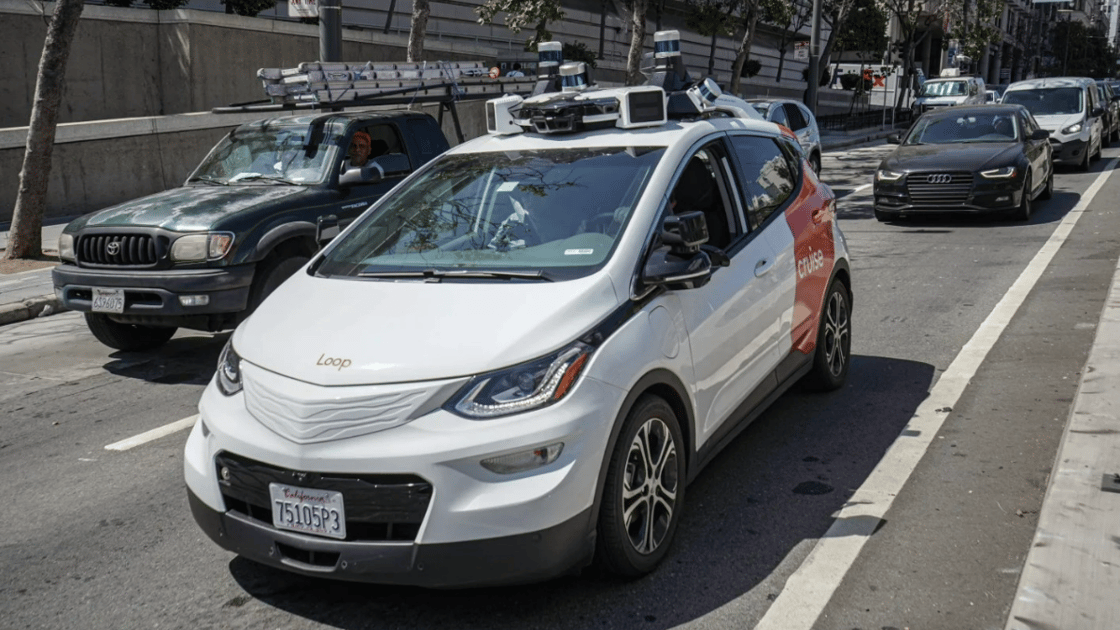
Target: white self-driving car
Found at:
x=514, y=363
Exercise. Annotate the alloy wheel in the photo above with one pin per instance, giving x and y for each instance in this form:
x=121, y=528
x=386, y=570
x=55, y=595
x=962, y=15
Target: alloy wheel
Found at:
x=837, y=329
x=649, y=488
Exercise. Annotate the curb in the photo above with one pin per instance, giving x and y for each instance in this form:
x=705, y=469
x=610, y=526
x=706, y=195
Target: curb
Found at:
x=30, y=309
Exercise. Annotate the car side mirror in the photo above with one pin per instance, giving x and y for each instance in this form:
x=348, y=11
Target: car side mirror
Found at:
x=326, y=228
x=894, y=138
x=683, y=262
x=684, y=233
x=1098, y=111
x=1040, y=134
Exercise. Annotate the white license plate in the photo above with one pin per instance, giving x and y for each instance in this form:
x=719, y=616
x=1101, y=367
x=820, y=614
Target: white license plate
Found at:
x=308, y=510
x=108, y=300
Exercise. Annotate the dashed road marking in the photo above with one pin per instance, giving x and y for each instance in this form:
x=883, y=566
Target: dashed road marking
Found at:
x=154, y=434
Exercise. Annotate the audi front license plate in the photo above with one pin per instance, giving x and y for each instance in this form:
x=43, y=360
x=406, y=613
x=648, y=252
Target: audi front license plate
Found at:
x=308, y=510
x=108, y=300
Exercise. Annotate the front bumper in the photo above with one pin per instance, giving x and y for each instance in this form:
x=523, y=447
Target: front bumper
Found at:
x=475, y=527
x=156, y=293
x=981, y=198
x=1069, y=152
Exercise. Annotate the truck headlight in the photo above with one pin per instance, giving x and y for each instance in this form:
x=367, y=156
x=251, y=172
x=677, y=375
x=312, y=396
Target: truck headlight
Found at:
x=66, y=247
x=228, y=375
x=522, y=387
x=199, y=247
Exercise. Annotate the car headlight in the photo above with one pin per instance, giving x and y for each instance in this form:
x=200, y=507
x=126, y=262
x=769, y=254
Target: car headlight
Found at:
x=522, y=387
x=66, y=247
x=1000, y=173
x=199, y=247
x=883, y=175
x=228, y=375
x=1074, y=128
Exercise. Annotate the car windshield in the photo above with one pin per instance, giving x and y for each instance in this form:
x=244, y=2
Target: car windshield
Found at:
x=270, y=154
x=555, y=213
x=994, y=127
x=1048, y=101
x=944, y=88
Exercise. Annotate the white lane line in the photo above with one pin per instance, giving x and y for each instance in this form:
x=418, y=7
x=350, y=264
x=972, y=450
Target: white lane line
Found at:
x=154, y=434
x=863, y=187
x=810, y=588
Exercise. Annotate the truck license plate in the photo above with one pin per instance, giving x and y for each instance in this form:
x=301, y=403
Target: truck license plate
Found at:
x=308, y=510
x=108, y=300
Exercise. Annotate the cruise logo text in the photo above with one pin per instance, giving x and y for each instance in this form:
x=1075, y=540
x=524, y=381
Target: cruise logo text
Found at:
x=809, y=264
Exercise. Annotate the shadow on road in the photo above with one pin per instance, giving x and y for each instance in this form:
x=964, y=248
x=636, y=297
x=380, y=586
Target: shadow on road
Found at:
x=773, y=490
x=191, y=360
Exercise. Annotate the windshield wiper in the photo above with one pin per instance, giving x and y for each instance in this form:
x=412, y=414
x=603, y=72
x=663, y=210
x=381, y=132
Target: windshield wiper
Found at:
x=209, y=180
x=270, y=178
x=436, y=275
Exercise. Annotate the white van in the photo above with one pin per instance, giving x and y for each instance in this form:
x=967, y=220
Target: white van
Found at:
x=1070, y=109
x=948, y=90
x=517, y=359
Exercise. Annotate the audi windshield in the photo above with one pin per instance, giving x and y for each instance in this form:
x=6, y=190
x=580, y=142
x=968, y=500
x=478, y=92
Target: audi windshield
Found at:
x=1001, y=126
x=549, y=214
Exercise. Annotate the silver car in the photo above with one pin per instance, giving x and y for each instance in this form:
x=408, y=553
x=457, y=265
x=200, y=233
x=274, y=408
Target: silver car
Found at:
x=799, y=120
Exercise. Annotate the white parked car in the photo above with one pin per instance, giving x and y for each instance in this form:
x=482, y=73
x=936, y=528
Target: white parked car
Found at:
x=516, y=360
x=798, y=119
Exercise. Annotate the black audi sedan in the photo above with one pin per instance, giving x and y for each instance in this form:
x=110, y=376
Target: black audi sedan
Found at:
x=966, y=159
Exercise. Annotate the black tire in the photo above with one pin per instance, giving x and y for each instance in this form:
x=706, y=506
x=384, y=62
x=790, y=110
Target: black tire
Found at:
x=832, y=357
x=1048, y=192
x=127, y=337
x=271, y=274
x=635, y=536
x=1106, y=138
x=1023, y=212
x=1097, y=154
x=1084, y=165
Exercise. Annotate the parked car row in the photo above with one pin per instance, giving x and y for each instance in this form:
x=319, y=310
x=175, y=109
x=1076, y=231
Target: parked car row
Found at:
x=996, y=157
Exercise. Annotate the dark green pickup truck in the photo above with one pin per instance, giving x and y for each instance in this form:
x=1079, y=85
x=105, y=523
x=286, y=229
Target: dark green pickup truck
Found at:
x=204, y=255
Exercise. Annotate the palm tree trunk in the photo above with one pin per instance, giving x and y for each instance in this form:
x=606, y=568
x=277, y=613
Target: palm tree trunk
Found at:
x=25, y=238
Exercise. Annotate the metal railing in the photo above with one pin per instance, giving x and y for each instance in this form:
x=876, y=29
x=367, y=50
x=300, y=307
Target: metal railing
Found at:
x=876, y=117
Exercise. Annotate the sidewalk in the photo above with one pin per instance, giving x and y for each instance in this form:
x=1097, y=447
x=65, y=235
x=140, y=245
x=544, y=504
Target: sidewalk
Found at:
x=28, y=294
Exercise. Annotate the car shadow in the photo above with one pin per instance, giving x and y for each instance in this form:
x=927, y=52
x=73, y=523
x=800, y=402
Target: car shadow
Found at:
x=768, y=496
x=1050, y=210
x=182, y=360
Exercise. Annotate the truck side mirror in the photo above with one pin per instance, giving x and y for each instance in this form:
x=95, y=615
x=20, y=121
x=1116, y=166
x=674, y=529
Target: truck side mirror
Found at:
x=369, y=174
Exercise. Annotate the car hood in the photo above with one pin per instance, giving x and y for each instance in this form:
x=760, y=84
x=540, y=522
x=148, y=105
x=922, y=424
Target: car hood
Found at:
x=186, y=209
x=953, y=157
x=1058, y=122
x=404, y=331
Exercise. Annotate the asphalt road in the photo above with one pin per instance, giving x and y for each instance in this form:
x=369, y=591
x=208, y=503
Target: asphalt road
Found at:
x=97, y=538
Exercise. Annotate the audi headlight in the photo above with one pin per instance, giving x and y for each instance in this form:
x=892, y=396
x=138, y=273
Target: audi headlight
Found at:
x=884, y=175
x=228, y=375
x=1074, y=128
x=199, y=247
x=1006, y=172
x=523, y=387
x=66, y=247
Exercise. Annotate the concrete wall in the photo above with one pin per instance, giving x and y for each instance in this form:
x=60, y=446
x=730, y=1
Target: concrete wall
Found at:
x=126, y=63
x=98, y=164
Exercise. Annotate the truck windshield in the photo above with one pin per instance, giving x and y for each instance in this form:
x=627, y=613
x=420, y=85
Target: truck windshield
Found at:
x=549, y=214
x=1048, y=101
x=270, y=154
x=944, y=88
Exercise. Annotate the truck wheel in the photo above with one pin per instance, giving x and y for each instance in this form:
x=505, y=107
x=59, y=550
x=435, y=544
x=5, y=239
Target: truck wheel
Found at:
x=272, y=273
x=127, y=337
x=644, y=491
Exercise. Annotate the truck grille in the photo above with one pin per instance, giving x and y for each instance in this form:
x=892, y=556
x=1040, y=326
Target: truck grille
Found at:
x=378, y=507
x=939, y=189
x=117, y=250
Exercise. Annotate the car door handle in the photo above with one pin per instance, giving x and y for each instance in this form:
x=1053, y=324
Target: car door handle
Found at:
x=763, y=267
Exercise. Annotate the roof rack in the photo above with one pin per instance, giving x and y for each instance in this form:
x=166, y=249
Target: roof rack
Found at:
x=335, y=86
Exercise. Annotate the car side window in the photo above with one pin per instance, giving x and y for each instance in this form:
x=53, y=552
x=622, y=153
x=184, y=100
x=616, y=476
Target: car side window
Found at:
x=767, y=174
x=778, y=115
x=702, y=186
x=796, y=120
